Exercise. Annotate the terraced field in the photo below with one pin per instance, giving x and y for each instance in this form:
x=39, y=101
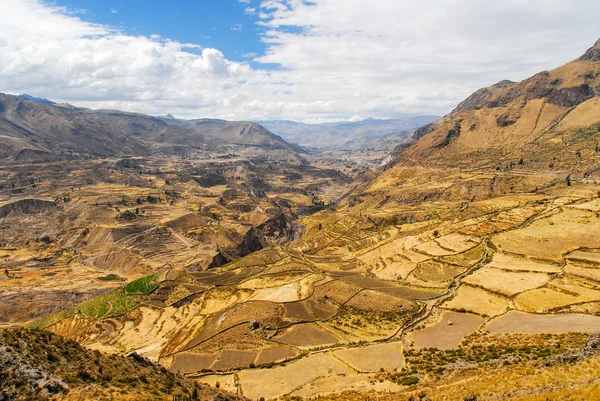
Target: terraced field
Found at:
x=349, y=299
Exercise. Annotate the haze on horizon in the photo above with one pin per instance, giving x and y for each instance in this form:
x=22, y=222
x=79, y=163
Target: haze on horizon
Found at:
x=319, y=60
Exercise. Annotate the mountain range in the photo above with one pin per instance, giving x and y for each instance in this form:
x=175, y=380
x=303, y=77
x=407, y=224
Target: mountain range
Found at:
x=366, y=133
x=32, y=130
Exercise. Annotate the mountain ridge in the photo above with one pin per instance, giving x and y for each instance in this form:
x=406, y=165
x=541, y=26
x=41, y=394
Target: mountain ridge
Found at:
x=38, y=131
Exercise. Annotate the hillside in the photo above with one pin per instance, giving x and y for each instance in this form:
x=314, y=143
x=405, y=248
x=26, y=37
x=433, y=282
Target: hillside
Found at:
x=38, y=365
x=38, y=131
x=547, y=122
x=347, y=135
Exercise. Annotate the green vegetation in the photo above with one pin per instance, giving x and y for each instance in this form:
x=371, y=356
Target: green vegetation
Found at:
x=109, y=277
x=143, y=285
x=115, y=302
x=49, y=320
x=408, y=381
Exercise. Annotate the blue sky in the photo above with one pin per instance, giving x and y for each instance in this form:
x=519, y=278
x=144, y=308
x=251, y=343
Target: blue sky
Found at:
x=315, y=60
x=221, y=24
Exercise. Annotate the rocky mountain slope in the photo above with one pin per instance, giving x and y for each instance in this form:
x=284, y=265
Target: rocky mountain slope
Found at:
x=548, y=121
x=36, y=131
x=38, y=365
x=350, y=135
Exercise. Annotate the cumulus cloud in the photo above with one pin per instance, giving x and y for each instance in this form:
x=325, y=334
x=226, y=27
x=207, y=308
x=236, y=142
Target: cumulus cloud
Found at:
x=338, y=58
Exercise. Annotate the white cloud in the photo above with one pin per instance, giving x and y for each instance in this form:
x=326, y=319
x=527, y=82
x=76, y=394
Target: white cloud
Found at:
x=244, y=1
x=114, y=11
x=341, y=57
x=236, y=27
x=250, y=10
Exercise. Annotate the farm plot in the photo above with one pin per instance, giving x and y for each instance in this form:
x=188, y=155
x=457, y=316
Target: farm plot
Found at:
x=506, y=283
x=529, y=323
x=298, y=311
x=509, y=262
x=379, y=302
x=558, y=293
x=281, y=380
x=435, y=274
x=456, y=242
x=336, y=291
x=373, y=358
x=432, y=248
x=577, y=269
x=448, y=332
x=230, y=359
x=358, y=383
x=552, y=237
x=187, y=362
x=306, y=336
x=476, y=300
x=275, y=354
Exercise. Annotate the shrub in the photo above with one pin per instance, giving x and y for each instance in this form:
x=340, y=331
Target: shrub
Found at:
x=409, y=381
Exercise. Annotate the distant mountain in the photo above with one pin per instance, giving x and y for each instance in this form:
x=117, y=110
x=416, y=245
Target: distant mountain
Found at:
x=359, y=134
x=36, y=99
x=38, y=131
x=238, y=133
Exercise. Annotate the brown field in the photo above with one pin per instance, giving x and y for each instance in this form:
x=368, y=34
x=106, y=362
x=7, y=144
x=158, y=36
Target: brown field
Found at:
x=558, y=293
x=520, y=322
x=278, y=381
x=336, y=291
x=507, y=283
x=306, y=335
x=322, y=309
x=552, y=237
x=585, y=270
x=479, y=301
x=443, y=335
x=509, y=262
x=187, y=362
x=274, y=354
x=234, y=359
x=298, y=311
x=434, y=273
x=373, y=358
x=379, y=301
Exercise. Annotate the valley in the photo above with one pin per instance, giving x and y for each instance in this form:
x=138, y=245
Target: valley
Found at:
x=467, y=263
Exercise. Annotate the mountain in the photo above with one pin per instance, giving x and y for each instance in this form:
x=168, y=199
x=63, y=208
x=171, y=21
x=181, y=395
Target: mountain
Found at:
x=36, y=99
x=38, y=131
x=341, y=135
x=549, y=121
x=235, y=133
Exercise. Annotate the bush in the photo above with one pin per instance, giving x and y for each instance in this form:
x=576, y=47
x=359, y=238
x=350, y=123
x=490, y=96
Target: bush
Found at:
x=409, y=381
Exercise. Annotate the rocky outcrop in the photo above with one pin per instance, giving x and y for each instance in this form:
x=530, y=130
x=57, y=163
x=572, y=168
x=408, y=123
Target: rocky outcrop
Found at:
x=452, y=134
x=571, y=97
x=253, y=241
x=593, y=53
x=27, y=206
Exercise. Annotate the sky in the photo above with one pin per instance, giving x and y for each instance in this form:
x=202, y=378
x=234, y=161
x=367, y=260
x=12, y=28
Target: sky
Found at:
x=303, y=60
